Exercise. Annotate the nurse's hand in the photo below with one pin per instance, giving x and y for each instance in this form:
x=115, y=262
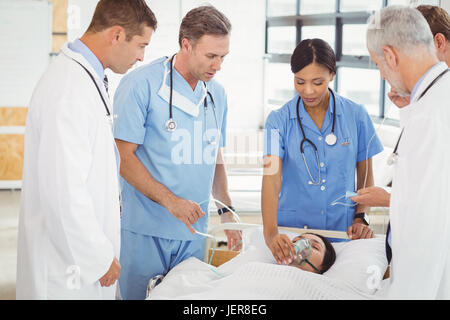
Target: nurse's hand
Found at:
x=186, y=211
x=399, y=101
x=234, y=237
x=282, y=248
x=373, y=197
x=359, y=230
x=112, y=275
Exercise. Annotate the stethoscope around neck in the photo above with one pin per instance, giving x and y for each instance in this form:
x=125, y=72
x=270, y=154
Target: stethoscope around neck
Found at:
x=393, y=157
x=171, y=124
x=330, y=140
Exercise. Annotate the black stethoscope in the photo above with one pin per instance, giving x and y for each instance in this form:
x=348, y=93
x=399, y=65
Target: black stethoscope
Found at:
x=330, y=139
x=394, y=155
x=171, y=125
x=108, y=114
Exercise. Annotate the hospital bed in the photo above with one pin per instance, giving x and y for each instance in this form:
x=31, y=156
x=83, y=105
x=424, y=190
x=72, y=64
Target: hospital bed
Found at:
x=358, y=272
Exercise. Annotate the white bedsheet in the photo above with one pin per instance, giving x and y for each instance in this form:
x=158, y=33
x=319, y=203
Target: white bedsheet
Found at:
x=194, y=279
x=254, y=274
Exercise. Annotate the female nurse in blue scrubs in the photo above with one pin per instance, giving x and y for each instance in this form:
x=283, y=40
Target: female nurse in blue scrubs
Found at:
x=316, y=146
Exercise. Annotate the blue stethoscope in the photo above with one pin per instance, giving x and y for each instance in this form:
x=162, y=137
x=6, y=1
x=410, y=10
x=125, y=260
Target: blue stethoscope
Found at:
x=171, y=125
x=330, y=139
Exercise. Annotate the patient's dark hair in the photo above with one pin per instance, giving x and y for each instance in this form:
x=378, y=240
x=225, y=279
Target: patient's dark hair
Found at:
x=330, y=254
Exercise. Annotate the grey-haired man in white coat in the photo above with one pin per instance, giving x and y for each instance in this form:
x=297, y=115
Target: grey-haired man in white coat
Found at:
x=400, y=42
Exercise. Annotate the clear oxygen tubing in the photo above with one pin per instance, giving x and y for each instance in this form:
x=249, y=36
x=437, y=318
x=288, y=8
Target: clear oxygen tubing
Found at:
x=207, y=235
x=335, y=202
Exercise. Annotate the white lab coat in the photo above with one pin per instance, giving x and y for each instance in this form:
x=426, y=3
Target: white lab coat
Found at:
x=420, y=201
x=69, y=223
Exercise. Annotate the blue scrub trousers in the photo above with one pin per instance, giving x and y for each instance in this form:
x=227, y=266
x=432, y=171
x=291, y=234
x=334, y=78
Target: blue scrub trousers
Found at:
x=142, y=257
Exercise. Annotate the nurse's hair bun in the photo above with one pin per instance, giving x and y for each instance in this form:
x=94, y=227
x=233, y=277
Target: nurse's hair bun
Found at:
x=313, y=50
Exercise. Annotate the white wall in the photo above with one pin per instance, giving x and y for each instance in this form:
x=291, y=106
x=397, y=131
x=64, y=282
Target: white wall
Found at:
x=242, y=71
x=24, y=48
x=446, y=5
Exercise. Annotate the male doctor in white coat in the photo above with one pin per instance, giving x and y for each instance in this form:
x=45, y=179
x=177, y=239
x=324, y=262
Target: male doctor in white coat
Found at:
x=69, y=223
x=400, y=42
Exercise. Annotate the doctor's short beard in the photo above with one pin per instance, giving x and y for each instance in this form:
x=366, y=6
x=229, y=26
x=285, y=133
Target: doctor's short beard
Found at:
x=395, y=81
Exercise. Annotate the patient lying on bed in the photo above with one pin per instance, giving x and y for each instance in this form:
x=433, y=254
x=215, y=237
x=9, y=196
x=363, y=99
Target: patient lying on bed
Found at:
x=347, y=272
x=321, y=256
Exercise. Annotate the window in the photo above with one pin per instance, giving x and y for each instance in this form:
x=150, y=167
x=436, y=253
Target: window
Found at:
x=317, y=6
x=281, y=39
x=361, y=86
x=414, y=3
x=326, y=33
x=280, y=84
x=358, y=5
x=281, y=7
x=354, y=40
x=342, y=23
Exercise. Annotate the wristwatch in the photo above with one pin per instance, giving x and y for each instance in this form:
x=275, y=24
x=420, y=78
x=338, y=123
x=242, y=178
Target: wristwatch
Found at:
x=223, y=210
x=363, y=216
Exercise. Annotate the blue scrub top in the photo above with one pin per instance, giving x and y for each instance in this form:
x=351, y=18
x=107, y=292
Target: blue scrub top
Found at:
x=302, y=204
x=183, y=160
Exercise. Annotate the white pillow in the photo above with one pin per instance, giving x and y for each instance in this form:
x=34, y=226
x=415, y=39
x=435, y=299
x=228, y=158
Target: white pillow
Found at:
x=362, y=263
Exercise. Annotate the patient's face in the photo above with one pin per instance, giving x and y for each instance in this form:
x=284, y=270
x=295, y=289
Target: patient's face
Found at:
x=317, y=254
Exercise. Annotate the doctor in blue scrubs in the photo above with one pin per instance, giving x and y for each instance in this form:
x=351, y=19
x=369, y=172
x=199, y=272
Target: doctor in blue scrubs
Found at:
x=170, y=128
x=316, y=146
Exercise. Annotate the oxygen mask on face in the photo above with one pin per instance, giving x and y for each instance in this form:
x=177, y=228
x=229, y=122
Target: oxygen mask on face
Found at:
x=303, y=249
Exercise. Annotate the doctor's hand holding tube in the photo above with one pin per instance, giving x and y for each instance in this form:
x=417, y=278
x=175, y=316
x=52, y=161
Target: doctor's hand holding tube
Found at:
x=186, y=211
x=373, y=197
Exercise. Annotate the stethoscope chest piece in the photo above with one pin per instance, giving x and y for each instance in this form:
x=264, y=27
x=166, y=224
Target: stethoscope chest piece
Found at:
x=171, y=125
x=393, y=157
x=331, y=139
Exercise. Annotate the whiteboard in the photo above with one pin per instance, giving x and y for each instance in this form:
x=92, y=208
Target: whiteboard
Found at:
x=25, y=46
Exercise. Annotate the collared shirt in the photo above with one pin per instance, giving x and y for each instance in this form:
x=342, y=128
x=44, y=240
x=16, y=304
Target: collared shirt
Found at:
x=300, y=203
x=79, y=47
x=183, y=160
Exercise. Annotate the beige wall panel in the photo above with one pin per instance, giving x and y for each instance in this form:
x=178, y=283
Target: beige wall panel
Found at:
x=13, y=116
x=11, y=156
x=58, y=41
x=59, y=15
